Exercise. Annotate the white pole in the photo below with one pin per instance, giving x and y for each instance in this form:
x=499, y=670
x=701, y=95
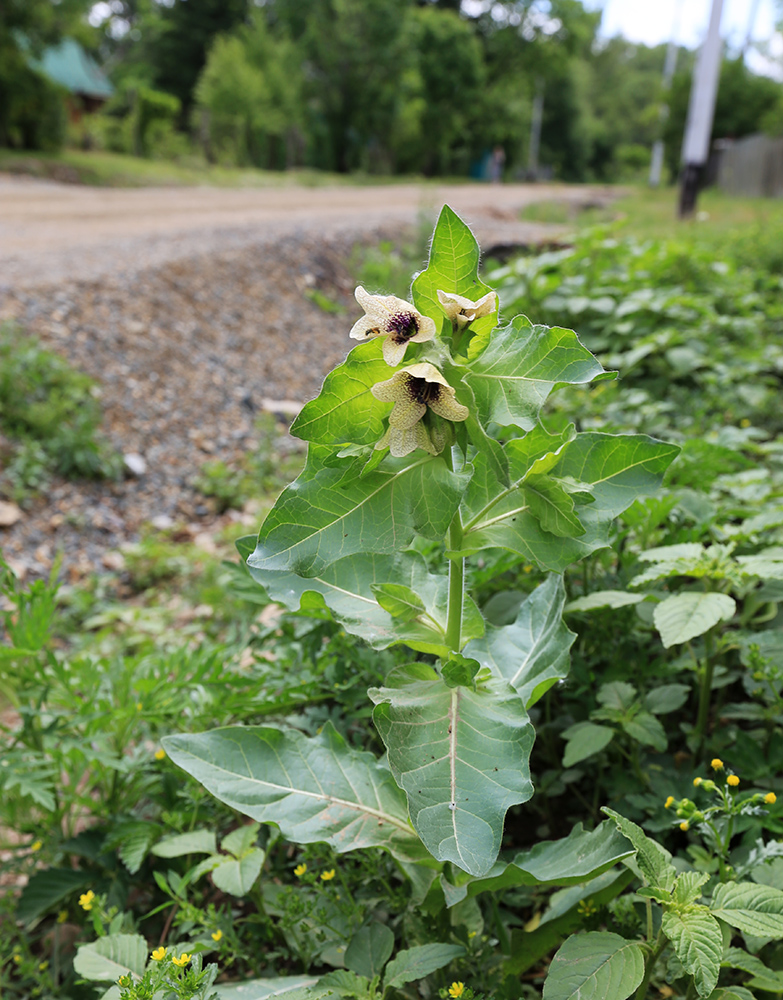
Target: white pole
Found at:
x=701, y=110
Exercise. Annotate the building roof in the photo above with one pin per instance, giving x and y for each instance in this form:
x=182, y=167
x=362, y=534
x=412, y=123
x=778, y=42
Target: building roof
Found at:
x=69, y=65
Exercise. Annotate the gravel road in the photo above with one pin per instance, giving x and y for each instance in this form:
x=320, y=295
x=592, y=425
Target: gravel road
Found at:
x=189, y=307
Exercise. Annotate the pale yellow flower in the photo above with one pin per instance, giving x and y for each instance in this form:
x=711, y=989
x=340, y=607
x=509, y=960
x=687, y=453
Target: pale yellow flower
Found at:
x=159, y=954
x=413, y=390
x=684, y=825
x=669, y=801
x=300, y=870
x=463, y=311
x=327, y=876
x=86, y=900
x=396, y=320
x=160, y=754
x=183, y=959
x=216, y=935
x=36, y=845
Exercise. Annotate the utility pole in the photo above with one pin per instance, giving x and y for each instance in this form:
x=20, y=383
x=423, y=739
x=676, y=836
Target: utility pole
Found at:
x=669, y=66
x=701, y=110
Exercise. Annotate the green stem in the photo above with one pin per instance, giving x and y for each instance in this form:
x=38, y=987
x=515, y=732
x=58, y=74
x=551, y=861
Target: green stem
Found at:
x=705, y=691
x=456, y=577
x=649, y=966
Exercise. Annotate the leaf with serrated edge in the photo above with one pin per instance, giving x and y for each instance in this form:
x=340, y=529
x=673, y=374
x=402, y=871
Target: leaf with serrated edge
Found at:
x=595, y=966
x=654, y=861
x=532, y=654
x=513, y=376
x=684, y=616
x=345, y=410
x=313, y=788
x=752, y=909
x=346, y=589
x=332, y=513
x=617, y=469
x=698, y=943
x=462, y=757
x=112, y=956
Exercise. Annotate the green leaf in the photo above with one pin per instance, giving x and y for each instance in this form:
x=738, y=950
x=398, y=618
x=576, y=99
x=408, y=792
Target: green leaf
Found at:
x=764, y=978
x=236, y=877
x=315, y=789
x=731, y=993
x=533, y=653
x=264, y=989
x=666, y=698
x=415, y=963
x=46, y=890
x=583, y=740
x=452, y=267
x=604, y=599
x=698, y=943
x=240, y=841
x=459, y=671
x=752, y=909
x=647, y=730
x=331, y=512
x=400, y=601
x=112, y=956
x=577, y=858
x=684, y=616
x=522, y=363
x=617, y=469
x=346, y=588
x=595, y=966
x=133, y=842
x=462, y=757
x=687, y=888
x=552, y=506
x=369, y=950
x=345, y=410
x=181, y=844
x=653, y=860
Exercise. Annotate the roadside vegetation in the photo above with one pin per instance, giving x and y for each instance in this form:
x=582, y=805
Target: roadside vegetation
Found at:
x=647, y=847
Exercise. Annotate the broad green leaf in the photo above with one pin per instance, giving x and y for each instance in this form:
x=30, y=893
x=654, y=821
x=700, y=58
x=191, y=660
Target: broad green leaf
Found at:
x=533, y=653
x=595, y=966
x=698, y=943
x=522, y=363
x=132, y=841
x=112, y=956
x=236, y=877
x=315, y=789
x=332, y=513
x=369, y=950
x=400, y=601
x=666, y=698
x=583, y=740
x=48, y=888
x=752, y=909
x=618, y=695
x=604, y=599
x=452, y=267
x=415, y=963
x=577, y=858
x=462, y=757
x=346, y=588
x=345, y=410
x=731, y=993
x=687, y=888
x=616, y=469
x=764, y=978
x=653, y=860
x=647, y=730
x=552, y=506
x=684, y=616
x=264, y=989
x=194, y=842
x=240, y=841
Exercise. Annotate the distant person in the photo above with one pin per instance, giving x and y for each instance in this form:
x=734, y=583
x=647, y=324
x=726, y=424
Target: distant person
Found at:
x=496, y=165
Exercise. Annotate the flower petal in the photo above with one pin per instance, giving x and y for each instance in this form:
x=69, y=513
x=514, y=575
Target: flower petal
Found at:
x=402, y=441
x=464, y=310
x=393, y=351
x=448, y=407
x=406, y=413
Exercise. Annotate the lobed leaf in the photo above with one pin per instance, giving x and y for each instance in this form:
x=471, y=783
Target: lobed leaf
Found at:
x=653, y=860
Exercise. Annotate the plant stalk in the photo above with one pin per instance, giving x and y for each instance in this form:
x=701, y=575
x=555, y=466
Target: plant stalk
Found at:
x=649, y=966
x=456, y=574
x=705, y=691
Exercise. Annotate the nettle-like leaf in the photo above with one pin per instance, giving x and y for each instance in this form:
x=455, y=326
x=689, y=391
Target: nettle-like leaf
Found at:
x=452, y=267
x=595, y=966
x=653, y=861
x=345, y=410
x=615, y=469
x=752, y=909
x=352, y=590
x=462, y=757
x=690, y=614
x=332, y=512
x=513, y=376
x=112, y=956
x=532, y=654
x=698, y=943
x=314, y=789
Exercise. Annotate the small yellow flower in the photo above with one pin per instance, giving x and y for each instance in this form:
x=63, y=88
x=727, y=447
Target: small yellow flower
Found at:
x=43, y=966
x=159, y=954
x=684, y=825
x=160, y=754
x=463, y=311
x=183, y=959
x=697, y=782
x=716, y=764
x=62, y=916
x=397, y=321
x=744, y=422
x=668, y=802
x=86, y=900
x=770, y=798
x=125, y=981
x=17, y=958
x=456, y=990
x=216, y=935
x=732, y=780
x=36, y=845
x=139, y=706
x=327, y=876
x=300, y=870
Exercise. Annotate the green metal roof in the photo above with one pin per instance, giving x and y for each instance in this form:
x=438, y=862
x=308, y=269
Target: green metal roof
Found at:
x=68, y=64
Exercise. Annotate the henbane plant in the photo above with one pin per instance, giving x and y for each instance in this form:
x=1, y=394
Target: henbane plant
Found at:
x=430, y=432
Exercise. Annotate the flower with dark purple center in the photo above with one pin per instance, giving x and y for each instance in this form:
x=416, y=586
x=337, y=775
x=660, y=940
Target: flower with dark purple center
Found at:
x=395, y=320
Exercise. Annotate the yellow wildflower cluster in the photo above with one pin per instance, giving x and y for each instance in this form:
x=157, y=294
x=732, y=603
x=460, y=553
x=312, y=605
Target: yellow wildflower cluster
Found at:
x=86, y=900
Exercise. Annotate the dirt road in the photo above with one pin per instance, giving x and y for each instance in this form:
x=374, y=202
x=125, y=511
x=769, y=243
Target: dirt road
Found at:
x=51, y=232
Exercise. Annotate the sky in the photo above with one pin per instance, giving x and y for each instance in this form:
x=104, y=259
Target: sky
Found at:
x=652, y=23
